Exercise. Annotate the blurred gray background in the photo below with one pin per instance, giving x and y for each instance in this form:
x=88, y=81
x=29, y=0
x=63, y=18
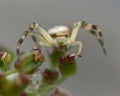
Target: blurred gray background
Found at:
x=97, y=75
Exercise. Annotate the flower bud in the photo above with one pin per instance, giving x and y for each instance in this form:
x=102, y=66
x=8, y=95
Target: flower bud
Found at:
x=67, y=65
x=66, y=59
x=60, y=92
x=49, y=76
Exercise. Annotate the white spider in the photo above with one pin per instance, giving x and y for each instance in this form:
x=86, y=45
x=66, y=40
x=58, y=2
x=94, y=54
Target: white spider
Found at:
x=61, y=37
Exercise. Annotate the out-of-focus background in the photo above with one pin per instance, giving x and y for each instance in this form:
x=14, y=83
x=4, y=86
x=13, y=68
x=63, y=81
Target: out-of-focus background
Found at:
x=97, y=75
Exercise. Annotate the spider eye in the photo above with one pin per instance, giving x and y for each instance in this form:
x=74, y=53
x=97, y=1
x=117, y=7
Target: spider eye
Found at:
x=53, y=35
x=66, y=35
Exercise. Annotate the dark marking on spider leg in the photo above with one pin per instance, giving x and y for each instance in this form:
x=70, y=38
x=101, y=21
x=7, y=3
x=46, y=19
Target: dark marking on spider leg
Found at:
x=94, y=26
x=84, y=24
x=102, y=45
x=101, y=42
x=32, y=27
x=100, y=34
x=96, y=33
x=104, y=49
x=18, y=46
x=95, y=30
x=35, y=40
x=101, y=39
x=20, y=41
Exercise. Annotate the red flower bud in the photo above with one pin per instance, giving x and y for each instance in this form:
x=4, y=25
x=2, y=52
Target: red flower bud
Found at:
x=50, y=76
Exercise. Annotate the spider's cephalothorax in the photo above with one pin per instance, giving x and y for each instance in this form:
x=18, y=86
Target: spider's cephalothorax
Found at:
x=61, y=37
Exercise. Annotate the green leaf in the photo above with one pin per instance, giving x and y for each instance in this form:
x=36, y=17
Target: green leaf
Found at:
x=3, y=66
x=32, y=67
x=28, y=64
x=68, y=69
x=1, y=63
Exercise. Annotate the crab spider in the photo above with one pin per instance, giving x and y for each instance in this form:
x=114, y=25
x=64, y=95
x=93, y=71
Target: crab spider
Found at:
x=61, y=37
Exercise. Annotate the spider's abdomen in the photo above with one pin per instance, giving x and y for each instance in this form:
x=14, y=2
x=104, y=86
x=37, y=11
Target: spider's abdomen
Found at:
x=59, y=31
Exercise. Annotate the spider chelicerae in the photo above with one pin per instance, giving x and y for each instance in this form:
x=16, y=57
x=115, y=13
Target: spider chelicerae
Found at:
x=61, y=37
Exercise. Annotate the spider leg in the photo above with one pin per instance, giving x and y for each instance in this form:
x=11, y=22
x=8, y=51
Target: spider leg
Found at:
x=93, y=29
x=44, y=34
x=44, y=37
x=80, y=46
x=42, y=41
x=75, y=30
x=22, y=38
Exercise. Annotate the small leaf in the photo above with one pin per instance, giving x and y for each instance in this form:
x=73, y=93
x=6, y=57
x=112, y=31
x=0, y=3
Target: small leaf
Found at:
x=68, y=69
x=28, y=63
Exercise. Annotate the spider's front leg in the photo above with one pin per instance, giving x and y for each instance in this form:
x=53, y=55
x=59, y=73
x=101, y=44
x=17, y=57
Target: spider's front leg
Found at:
x=23, y=37
x=80, y=46
x=93, y=29
x=73, y=39
x=44, y=34
x=44, y=38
